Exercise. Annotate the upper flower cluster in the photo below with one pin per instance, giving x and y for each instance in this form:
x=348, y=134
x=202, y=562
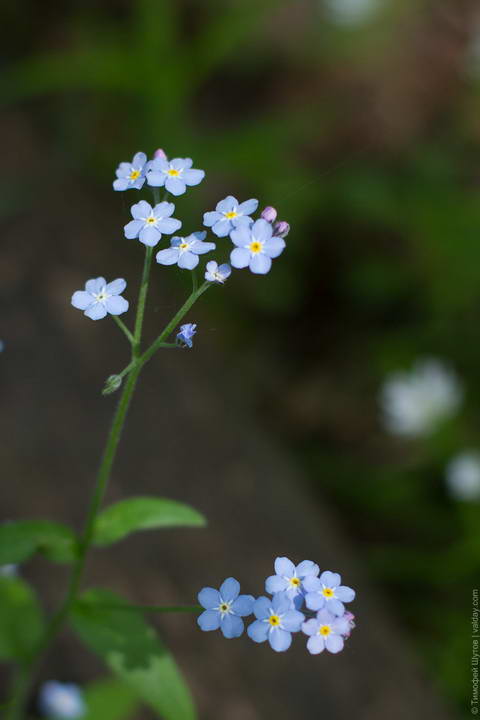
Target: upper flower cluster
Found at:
x=174, y=175
x=277, y=617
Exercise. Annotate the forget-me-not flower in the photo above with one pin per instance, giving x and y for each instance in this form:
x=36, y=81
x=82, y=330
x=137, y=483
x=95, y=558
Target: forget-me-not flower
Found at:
x=224, y=608
x=229, y=214
x=175, y=174
x=61, y=701
x=289, y=578
x=276, y=620
x=131, y=175
x=185, y=251
x=187, y=331
x=415, y=402
x=100, y=298
x=463, y=476
x=255, y=247
x=326, y=631
x=217, y=273
x=10, y=570
x=149, y=223
x=326, y=592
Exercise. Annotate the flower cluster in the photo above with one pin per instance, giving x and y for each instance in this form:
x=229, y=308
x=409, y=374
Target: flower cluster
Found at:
x=256, y=242
x=296, y=592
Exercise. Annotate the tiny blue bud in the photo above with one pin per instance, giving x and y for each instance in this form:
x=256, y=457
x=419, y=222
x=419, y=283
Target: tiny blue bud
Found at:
x=187, y=331
x=159, y=153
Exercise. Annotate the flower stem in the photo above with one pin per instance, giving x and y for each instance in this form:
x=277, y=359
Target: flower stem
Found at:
x=124, y=329
x=142, y=298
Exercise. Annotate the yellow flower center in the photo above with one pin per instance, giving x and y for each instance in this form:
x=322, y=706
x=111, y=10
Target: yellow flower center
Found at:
x=173, y=173
x=295, y=582
x=183, y=246
x=151, y=220
x=255, y=247
x=231, y=214
x=274, y=620
x=324, y=630
x=328, y=592
x=134, y=174
x=224, y=607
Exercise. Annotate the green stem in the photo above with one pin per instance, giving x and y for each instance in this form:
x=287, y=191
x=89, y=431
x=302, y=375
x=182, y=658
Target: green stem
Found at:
x=123, y=328
x=191, y=300
x=142, y=298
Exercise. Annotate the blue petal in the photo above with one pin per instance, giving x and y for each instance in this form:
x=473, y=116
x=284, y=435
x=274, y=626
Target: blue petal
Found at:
x=344, y=593
x=156, y=179
x=258, y=631
x=273, y=248
x=175, y=185
x=227, y=204
x=209, y=620
x=279, y=639
x=281, y=603
x=132, y=228
x=169, y=256
x=164, y=209
x=260, y=264
x=116, y=305
x=248, y=207
x=222, y=227
x=311, y=583
x=200, y=248
x=275, y=583
x=82, y=300
x=96, y=311
x=261, y=608
x=95, y=285
x=139, y=160
x=310, y=627
x=116, y=287
x=159, y=165
x=231, y=626
x=330, y=579
x=209, y=598
x=316, y=645
x=225, y=270
x=120, y=184
x=262, y=230
x=284, y=566
x=307, y=567
x=240, y=257
x=141, y=210
x=335, y=606
x=241, y=236
x=193, y=177
x=334, y=643
x=292, y=620
x=229, y=589
x=187, y=260
x=150, y=236
x=210, y=218
x=314, y=601
x=243, y=605
x=169, y=225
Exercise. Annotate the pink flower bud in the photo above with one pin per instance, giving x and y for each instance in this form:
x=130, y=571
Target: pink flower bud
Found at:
x=281, y=229
x=269, y=214
x=159, y=154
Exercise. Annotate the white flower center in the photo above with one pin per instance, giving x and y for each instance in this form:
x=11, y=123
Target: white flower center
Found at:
x=102, y=296
x=225, y=608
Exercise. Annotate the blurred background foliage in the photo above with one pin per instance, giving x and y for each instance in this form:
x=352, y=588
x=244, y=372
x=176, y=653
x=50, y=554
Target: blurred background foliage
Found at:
x=360, y=121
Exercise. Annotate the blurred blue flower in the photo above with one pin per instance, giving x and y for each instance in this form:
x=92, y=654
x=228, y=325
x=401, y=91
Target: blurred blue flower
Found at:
x=100, y=298
x=229, y=214
x=326, y=631
x=10, y=570
x=149, y=223
x=289, y=578
x=463, y=476
x=131, y=175
x=61, y=701
x=186, y=334
x=255, y=247
x=185, y=251
x=276, y=620
x=174, y=175
x=224, y=608
x=217, y=273
x=326, y=592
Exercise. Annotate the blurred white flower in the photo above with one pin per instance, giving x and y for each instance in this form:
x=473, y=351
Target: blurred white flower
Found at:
x=8, y=570
x=415, y=402
x=351, y=12
x=463, y=476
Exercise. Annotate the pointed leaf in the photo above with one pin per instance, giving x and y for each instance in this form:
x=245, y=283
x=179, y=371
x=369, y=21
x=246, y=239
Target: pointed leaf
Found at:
x=133, y=650
x=20, y=618
x=20, y=540
x=143, y=513
x=109, y=699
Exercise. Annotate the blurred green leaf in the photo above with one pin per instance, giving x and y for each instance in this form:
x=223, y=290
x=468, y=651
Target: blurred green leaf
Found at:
x=20, y=618
x=20, y=540
x=133, y=650
x=109, y=699
x=143, y=513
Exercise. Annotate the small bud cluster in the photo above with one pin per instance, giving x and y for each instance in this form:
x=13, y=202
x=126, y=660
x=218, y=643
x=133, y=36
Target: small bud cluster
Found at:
x=280, y=615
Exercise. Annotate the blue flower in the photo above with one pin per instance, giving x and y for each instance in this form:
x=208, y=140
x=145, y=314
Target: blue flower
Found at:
x=100, y=298
x=186, y=334
x=131, y=175
x=229, y=214
x=255, y=247
x=9, y=570
x=326, y=631
x=276, y=620
x=175, y=174
x=289, y=579
x=185, y=251
x=217, y=273
x=326, y=592
x=224, y=608
x=149, y=223
x=62, y=701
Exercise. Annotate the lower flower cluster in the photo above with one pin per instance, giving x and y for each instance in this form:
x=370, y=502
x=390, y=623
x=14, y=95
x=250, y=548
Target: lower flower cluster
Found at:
x=302, y=600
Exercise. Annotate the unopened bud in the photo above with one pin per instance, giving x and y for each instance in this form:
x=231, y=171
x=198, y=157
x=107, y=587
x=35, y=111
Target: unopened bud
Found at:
x=269, y=214
x=159, y=154
x=281, y=229
x=112, y=384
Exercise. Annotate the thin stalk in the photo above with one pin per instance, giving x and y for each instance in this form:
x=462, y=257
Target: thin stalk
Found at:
x=123, y=328
x=142, y=298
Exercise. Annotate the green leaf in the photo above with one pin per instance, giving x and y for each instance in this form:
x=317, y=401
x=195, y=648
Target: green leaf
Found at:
x=20, y=618
x=133, y=650
x=20, y=540
x=143, y=513
x=109, y=699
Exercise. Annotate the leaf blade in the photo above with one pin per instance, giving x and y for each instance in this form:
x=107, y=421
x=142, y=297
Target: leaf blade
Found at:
x=20, y=540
